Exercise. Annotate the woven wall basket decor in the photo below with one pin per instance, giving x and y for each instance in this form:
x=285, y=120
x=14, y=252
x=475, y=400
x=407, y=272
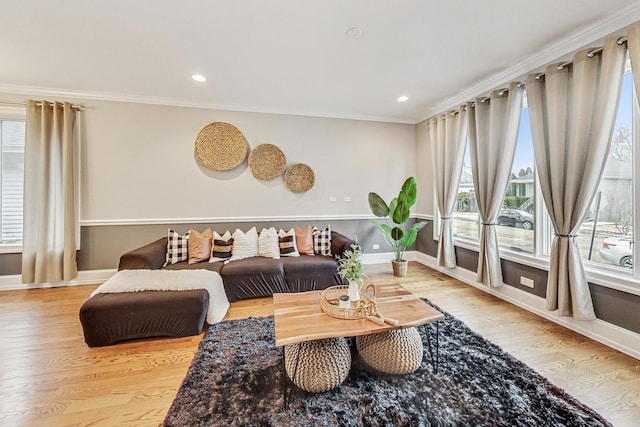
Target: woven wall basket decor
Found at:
x=221, y=146
x=267, y=162
x=299, y=178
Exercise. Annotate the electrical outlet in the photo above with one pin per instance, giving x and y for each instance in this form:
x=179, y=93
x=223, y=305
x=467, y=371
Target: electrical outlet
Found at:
x=347, y=198
x=525, y=281
x=376, y=246
x=332, y=198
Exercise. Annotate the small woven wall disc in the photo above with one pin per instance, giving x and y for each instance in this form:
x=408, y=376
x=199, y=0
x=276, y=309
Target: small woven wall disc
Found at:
x=221, y=146
x=299, y=178
x=267, y=162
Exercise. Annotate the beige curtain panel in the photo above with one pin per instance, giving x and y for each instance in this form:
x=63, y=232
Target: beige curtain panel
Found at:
x=572, y=113
x=448, y=137
x=493, y=133
x=50, y=176
x=633, y=44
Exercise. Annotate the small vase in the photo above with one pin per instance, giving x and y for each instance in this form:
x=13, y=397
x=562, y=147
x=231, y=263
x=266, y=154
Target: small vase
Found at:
x=354, y=290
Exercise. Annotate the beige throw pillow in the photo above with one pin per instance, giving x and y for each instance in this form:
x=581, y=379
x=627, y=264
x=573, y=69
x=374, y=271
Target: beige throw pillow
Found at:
x=268, y=246
x=245, y=245
x=199, y=245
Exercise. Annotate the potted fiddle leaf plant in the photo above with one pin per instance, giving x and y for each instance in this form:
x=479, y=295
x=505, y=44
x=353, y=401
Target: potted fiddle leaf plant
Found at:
x=396, y=234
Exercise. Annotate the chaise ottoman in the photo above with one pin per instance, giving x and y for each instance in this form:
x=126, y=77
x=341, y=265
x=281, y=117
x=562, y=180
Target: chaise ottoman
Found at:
x=152, y=303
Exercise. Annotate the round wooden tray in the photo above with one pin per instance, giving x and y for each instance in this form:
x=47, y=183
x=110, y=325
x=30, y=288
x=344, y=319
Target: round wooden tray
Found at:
x=329, y=299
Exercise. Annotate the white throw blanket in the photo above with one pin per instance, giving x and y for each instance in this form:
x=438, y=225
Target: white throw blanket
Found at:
x=171, y=280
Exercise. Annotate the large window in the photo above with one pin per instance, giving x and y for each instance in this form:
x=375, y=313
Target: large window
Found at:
x=516, y=220
x=465, y=211
x=11, y=180
x=607, y=235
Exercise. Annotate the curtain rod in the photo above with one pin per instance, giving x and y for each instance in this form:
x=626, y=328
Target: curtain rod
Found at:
x=590, y=54
x=39, y=104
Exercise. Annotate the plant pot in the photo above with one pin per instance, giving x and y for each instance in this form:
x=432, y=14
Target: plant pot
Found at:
x=399, y=268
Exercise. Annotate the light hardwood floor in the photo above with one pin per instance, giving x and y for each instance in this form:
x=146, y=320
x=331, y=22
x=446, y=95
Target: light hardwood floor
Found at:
x=49, y=377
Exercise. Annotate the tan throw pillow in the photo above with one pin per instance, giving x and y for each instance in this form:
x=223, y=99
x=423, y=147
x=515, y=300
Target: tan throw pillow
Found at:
x=222, y=247
x=304, y=240
x=199, y=245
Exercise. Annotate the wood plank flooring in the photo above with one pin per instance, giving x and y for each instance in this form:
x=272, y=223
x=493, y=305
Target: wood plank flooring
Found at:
x=49, y=377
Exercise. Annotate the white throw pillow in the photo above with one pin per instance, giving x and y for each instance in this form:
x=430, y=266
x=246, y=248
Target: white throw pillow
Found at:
x=245, y=245
x=268, y=244
x=222, y=247
x=287, y=243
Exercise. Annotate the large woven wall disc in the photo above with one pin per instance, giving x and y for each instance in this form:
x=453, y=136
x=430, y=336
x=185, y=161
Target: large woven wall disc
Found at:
x=299, y=178
x=267, y=162
x=221, y=146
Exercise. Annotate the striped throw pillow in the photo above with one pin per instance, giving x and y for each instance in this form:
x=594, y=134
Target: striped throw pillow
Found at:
x=287, y=243
x=222, y=247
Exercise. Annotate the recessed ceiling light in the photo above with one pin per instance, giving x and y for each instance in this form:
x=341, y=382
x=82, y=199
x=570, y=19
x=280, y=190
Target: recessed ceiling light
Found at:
x=354, y=33
x=403, y=98
x=199, y=78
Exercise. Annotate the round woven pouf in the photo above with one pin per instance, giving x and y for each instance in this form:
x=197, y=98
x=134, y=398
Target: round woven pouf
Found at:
x=322, y=364
x=394, y=352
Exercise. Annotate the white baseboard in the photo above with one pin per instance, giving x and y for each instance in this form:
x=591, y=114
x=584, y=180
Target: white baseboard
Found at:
x=386, y=257
x=606, y=333
x=88, y=277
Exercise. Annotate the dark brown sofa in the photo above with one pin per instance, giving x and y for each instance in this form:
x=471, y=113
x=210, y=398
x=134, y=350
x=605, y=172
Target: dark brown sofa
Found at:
x=253, y=277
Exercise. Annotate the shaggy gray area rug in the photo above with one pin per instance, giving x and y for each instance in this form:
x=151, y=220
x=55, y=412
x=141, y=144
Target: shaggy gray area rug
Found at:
x=235, y=379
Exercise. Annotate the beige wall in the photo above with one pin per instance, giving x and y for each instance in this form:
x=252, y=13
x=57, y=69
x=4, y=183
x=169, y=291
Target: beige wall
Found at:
x=138, y=163
x=424, y=172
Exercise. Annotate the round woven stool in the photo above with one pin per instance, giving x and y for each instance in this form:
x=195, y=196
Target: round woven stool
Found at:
x=321, y=365
x=394, y=352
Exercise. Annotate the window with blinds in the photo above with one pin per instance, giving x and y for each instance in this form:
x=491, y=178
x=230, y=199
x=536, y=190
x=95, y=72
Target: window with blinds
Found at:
x=11, y=180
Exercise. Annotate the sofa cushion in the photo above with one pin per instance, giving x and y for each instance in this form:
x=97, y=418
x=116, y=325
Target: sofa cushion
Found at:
x=253, y=278
x=184, y=265
x=307, y=273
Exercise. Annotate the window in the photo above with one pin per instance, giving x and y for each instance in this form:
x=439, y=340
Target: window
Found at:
x=516, y=219
x=11, y=180
x=607, y=234
x=465, y=211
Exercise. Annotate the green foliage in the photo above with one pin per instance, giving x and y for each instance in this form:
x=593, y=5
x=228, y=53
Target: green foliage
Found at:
x=397, y=211
x=350, y=265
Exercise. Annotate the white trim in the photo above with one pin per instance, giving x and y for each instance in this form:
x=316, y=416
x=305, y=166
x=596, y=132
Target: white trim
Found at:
x=606, y=333
x=427, y=217
x=88, y=277
x=615, y=23
x=10, y=248
x=174, y=102
x=385, y=257
x=213, y=220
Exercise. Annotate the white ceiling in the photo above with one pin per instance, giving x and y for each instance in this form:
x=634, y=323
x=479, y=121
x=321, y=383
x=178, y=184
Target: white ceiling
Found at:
x=292, y=56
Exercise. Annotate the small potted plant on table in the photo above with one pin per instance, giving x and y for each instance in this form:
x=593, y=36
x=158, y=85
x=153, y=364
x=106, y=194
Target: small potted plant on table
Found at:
x=397, y=211
x=350, y=268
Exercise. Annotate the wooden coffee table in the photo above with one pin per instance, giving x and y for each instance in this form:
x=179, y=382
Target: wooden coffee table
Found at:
x=298, y=317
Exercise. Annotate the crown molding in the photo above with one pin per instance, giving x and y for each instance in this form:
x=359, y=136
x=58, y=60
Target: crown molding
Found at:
x=576, y=40
x=174, y=102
